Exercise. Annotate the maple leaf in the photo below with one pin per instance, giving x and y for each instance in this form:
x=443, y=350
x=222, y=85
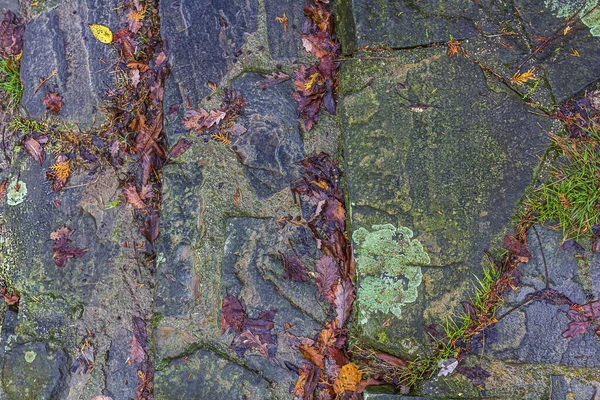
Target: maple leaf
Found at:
x=519, y=79
x=53, y=102
x=136, y=351
x=132, y=197
x=62, y=249
x=35, y=149
x=350, y=375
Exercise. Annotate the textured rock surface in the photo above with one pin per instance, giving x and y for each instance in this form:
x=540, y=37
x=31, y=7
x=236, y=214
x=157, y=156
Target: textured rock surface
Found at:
x=427, y=141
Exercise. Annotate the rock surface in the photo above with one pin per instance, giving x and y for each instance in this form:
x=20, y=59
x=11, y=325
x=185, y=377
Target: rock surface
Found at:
x=440, y=145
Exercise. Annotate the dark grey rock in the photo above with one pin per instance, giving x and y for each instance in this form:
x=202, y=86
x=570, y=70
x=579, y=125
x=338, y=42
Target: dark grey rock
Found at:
x=61, y=38
x=285, y=43
x=201, y=37
x=179, y=232
x=12, y=5
x=272, y=143
x=32, y=371
x=565, y=388
x=409, y=23
x=253, y=271
x=203, y=375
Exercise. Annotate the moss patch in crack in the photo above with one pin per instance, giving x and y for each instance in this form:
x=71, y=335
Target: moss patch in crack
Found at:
x=389, y=264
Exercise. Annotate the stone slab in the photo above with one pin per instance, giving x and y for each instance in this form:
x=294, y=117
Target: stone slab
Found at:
x=61, y=38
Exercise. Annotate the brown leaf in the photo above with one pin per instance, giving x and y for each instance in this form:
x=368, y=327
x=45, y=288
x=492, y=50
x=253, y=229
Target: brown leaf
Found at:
x=61, y=233
x=3, y=188
x=193, y=120
x=392, y=360
x=132, y=196
x=102, y=397
x=53, y=102
x=35, y=149
x=11, y=299
x=151, y=224
x=515, y=247
x=146, y=192
x=136, y=351
x=127, y=51
x=312, y=354
x=179, y=148
x=344, y=297
x=62, y=249
x=160, y=58
x=233, y=314
x=138, y=65
x=350, y=376
x=328, y=273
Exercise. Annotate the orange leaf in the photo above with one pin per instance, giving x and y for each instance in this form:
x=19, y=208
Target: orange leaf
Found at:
x=349, y=377
x=311, y=354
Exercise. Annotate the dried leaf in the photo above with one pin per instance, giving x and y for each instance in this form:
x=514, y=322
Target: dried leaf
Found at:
x=519, y=79
x=327, y=272
x=312, y=354
x=447, y=366
x=102, y=33
x=515, y=247
x=134, y=18
x=283, y=20
x=138, y=65
x=350, y=376
x=53, y=102
x=344, y=296
x=179, y=148
x=233, y=314
x=3, y=188
x=34, y=148
x=59, y=173
x=102, y=397
x=151, y=224
x=62, y=249
x=132, y=196
x=136, y=351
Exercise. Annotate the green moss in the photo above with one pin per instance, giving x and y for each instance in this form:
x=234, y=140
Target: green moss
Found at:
x=389, y=266
x=11, y=87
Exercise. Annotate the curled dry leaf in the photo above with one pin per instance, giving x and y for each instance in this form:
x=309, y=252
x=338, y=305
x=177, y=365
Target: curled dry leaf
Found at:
x=136, y=351
x=53, y=102
x=35, y=149
x=313, y=355
x=132, y=196
x=515, y=247
x=179, y=148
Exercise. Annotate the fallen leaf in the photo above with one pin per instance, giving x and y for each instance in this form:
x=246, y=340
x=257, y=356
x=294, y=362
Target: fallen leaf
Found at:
x=283, y=20
x=294, y=268
x=134, y=18
x=102, y=397
x=344, y=297
x=3, y=188
x=102, y=33
x=34, y=148
x=233, y=314
x=515, y=247
x=350, y=376
x=62, y=249
x=53, y=102
x=132, y=196
x=12, y=29
x=136, y=351
x=447, y=366
x=327, y=272
x=312, y=354
x=139, y=66
x=59, y=173
x=179, y=148
x=134, y=77
x=272, y=79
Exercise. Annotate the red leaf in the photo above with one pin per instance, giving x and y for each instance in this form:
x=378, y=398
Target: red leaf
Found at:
x=294, y=268
x=136, y=351
x=179, y=148
x=34, y=148
x=233, y=314
x=53, y=102
x=328, y=273
x=62, y=249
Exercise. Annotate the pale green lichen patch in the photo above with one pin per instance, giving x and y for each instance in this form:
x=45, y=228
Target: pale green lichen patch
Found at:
x=16, y=193
x=587, y=10
x=388, y=262
x=29, y=356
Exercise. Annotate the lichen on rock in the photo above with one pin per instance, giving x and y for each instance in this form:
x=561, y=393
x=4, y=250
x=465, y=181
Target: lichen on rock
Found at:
x=16, y=193
x=587, y=10
x=388, y=262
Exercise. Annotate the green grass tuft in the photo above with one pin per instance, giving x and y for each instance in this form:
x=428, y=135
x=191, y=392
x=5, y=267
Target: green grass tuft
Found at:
x=11, y=87
x=570, y=198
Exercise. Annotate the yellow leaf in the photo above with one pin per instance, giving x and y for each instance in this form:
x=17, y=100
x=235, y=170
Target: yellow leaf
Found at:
x=349, y=377
x=102, y=33
x=311, y=81
x=519, y=79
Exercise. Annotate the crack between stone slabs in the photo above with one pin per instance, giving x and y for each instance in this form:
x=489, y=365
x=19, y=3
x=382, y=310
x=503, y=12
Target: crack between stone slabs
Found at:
x=215, y=350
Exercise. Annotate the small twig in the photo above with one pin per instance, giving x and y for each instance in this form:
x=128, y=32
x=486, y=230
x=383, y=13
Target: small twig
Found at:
x=515, y=308
x=543, y=256
x=44, y=80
